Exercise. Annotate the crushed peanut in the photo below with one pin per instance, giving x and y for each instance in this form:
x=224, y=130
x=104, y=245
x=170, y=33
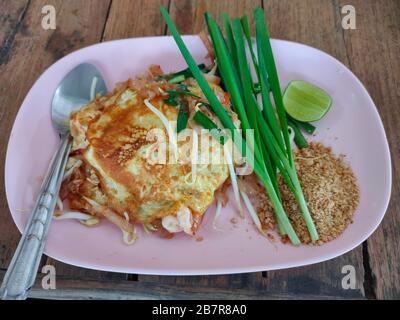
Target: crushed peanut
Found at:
x=330, y=189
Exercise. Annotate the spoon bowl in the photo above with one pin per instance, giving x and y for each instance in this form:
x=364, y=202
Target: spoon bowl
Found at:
x=78, y=87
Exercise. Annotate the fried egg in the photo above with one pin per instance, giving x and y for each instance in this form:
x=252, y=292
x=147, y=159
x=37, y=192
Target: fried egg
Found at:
x=114, y=138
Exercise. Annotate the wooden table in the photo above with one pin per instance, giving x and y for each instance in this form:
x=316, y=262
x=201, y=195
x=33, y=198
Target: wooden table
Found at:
x=371, y=51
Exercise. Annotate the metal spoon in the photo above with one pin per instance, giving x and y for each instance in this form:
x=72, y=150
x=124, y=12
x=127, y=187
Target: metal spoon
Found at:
x=74, y=91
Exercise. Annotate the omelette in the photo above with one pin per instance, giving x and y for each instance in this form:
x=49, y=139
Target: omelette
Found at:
x=117, y=169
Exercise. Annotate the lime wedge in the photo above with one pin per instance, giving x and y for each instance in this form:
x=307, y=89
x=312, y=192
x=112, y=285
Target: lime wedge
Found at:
x=306, y=102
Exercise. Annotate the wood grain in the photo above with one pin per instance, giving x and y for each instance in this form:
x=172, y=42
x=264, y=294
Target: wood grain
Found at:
x=312, y=22
x=188, y=15
x=28, y=51
x=12, y=13
x=72, y=288
x=137, y=18
x=11, y=22
x=370, y=51
x=373, y=50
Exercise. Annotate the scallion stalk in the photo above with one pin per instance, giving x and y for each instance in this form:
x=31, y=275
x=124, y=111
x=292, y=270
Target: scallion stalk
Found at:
x=227, y=122
x=266, y=52
x=229, y=38
x=246, y=30
x=306, y=126
x=299, y=139
x=183, y=117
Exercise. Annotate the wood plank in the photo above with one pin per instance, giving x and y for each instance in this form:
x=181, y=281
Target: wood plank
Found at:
x=188, y=15
x=313, y=22
x=135, y=19
x=373, y=50
x=11, y=22
x=83, y=274
x=323, y=279
x=12, y=13
x=30, y=51
x=71, y=288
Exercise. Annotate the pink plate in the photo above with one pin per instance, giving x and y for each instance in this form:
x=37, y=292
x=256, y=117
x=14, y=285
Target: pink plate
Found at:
x=352, y=127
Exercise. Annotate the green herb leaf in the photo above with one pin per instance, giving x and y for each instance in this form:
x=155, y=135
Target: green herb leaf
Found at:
x=210, y=125
x=176, y=92
x=177, y=79
x=183, y=116
x=171, y=101
x=299, y=139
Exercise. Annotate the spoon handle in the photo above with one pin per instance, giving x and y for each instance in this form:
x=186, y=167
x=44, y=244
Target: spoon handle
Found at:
x=22, y=270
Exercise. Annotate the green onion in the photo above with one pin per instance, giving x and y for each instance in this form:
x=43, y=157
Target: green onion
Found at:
x=268, y=109
x=171, y=101
x=299, y=139
x=246, y=81
x=177, y=79
x=306, y=126
x=265, y=53
x=246, y=29
x=250, y=101
x=197, y=74
x=228, y=73
x=210, y=125
x=266, y=50
x=187, y=93
x=272, y=136
x=229, y=37
x=183, y=116
x=185, y=72
x=224, y=117
x=256, y=88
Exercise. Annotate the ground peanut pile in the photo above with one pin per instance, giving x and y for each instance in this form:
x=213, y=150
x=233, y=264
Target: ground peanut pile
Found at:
x=329, y=187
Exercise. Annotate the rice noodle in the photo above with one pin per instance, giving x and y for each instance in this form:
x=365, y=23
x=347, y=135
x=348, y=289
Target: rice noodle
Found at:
x=232, y=174
x=111, y=216
x=147, y=229
x=171, y=133
x=59, y=203
x=86, y=219
x=217, y=214
x=70, y=171
x=244, y=189
x=90, y=222
x=251, y=211
x=128, y=237
x=213, y=70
